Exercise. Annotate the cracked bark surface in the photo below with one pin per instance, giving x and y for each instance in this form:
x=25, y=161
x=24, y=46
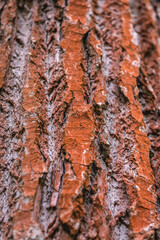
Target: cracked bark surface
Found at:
x=79, y=134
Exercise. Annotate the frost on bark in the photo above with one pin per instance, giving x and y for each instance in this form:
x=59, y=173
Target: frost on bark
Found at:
x=79, y=134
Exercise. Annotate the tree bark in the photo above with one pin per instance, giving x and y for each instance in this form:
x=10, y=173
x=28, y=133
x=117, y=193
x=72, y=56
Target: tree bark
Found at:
x=79, y=100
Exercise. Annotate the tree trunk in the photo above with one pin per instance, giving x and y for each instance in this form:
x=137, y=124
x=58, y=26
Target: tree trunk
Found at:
x=79, y=119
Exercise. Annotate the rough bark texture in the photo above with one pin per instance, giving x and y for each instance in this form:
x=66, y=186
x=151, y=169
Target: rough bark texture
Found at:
x=80, y=120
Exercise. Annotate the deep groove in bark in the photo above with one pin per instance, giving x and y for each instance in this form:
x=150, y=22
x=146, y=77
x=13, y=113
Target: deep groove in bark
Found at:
x=11, y=100
x=79, y=97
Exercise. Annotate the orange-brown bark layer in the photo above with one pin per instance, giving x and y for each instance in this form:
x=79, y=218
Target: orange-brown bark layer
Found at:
x=79, y=111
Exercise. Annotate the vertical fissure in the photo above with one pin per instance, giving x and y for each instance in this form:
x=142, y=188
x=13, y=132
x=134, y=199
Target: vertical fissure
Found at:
x=113, y=143
x=56, y=116
x=13, y=128
x=79, y=102
x=148, y=81
x=46, y=213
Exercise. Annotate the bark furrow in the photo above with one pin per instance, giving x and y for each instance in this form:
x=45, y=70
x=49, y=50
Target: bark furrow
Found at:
x=79, y=134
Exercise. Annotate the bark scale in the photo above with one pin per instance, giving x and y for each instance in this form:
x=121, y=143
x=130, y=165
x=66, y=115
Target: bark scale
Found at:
x=79, y=101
